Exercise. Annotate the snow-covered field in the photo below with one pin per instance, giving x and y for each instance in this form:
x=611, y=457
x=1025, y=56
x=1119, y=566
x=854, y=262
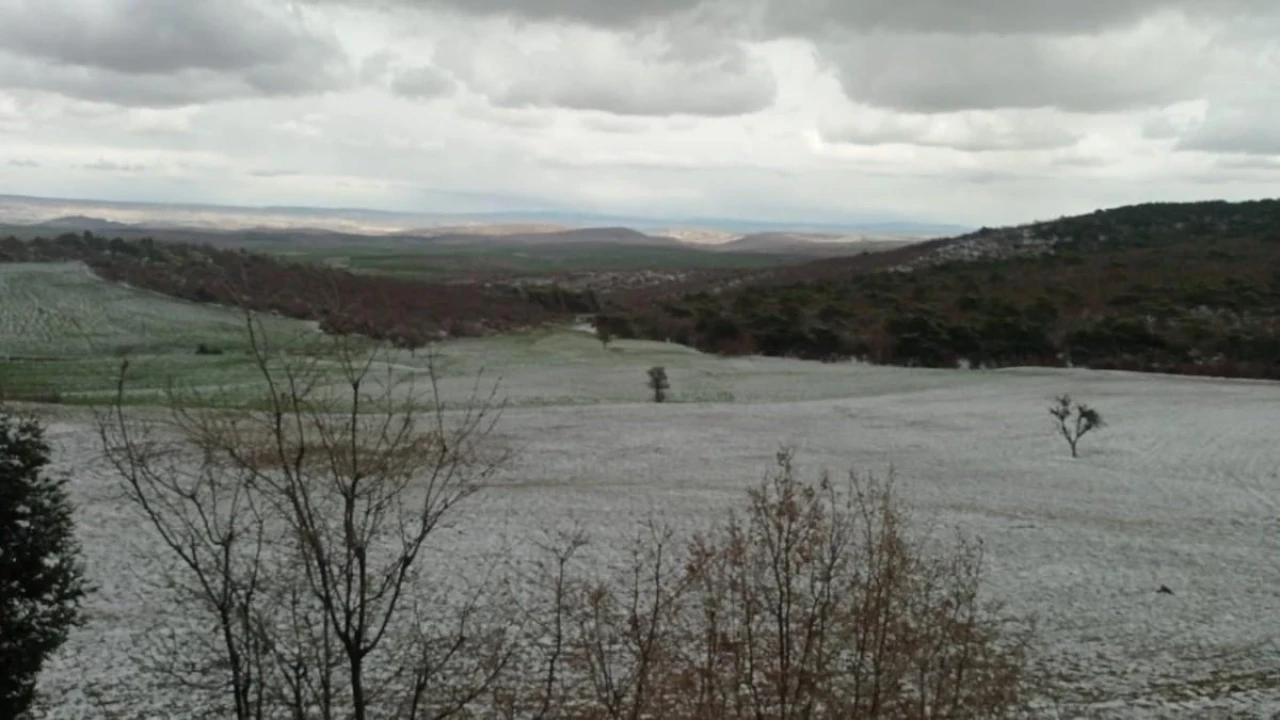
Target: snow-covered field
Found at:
x=1182, y=490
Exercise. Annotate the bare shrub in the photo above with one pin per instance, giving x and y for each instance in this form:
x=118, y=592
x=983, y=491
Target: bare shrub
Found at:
x=298, y=533
x=814, y=603
x=1074, y=420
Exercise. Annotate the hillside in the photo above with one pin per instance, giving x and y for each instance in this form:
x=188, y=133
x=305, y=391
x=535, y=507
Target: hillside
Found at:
x=1185, y=288
x=406, y=311
x=1150, y=224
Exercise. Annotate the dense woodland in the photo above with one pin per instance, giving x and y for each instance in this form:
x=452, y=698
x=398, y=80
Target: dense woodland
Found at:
x=407, y=312
x=1182, y=288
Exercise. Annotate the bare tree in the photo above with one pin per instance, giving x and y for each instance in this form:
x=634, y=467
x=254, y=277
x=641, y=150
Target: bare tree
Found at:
x=814, y=603
x=625, y=630
x=659, y=383
x=300, y=531
x=1074, y=420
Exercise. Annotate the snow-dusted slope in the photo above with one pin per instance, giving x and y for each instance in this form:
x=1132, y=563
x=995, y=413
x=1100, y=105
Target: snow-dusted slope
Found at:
x=1182, y=489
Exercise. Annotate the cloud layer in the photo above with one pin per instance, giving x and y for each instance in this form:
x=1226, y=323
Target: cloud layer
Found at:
x=159, y=52
x=985, y=111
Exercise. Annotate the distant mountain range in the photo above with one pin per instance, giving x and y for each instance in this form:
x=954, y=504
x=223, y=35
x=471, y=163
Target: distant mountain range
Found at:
x=97, y=215
x=511, y=237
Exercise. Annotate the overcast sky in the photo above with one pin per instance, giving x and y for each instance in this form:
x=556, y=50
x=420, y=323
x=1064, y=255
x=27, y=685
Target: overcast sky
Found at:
x=968, y=111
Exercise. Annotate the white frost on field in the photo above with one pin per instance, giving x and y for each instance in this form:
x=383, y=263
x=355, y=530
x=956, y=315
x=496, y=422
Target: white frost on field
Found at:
x=63, y=310
x=1182, y=489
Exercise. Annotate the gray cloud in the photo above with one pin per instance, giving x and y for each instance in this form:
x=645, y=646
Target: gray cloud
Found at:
x=1160, y=127
x=912, y=55
x=422, y=83
x=650, y=75
x=614, y=124
x=947, y=73
x=968, y=132
x=23, y=163
x=811, y=18
x=184, y=87
x=514, y=118
x=274, y=173
x=600, y=13
x=982, y=17
x=161, y=52
x=1250, y=162
x=114, y=166
x=1246, y=124
x=1240, y=135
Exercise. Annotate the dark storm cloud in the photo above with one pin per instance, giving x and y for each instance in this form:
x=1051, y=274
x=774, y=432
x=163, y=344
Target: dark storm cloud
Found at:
x=164, y=52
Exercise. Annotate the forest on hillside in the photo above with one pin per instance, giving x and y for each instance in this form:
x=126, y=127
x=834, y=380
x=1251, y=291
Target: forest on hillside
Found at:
x=1182, y=288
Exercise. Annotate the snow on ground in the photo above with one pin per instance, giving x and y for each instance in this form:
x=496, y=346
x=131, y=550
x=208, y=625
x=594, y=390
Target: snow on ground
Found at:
x=1182, y=489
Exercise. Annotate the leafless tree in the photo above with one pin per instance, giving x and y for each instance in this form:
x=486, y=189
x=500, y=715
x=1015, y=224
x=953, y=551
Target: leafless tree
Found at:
x=300, y=531
x=1074, y=420
x=815, y=603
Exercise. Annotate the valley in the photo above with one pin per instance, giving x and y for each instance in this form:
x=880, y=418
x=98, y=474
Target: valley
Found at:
x=1147, y=566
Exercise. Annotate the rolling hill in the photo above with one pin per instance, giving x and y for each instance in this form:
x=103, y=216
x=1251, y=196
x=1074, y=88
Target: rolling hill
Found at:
x=1186, y=288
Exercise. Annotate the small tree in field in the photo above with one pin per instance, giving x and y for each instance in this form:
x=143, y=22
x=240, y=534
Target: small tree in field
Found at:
x=1075, y=420
x=603, y=334
x=41, y=580
x=659, y=383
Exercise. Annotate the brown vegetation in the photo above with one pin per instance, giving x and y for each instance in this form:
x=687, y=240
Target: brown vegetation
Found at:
x=814, y=603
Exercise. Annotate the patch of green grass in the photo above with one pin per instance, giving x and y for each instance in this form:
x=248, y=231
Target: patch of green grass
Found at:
x=439, y=261
x=60, y=310
x=65, y=331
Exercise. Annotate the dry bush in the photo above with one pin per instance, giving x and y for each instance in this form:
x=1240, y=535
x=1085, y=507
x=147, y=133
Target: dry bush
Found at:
x=814, y=603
